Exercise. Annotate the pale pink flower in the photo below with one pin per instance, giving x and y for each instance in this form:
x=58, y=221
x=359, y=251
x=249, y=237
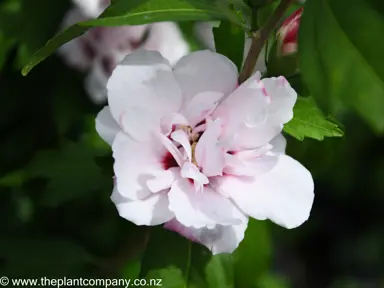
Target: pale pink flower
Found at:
x=198, y=153
x=100, y=49
x=92, y=8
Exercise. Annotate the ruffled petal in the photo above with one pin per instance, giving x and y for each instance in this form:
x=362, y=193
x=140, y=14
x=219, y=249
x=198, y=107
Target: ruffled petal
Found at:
x=220, y=239
x=141, y=90
x=135, y=164
x=190, y=171
x=170, y=121
x=152, y=210
x=163, y=180
x=209, y=154
x=249, y=165
x=204, y=209
x=282, y=98
x=245, y=108
x=201, y=106
x=203, y=71
x=284, y=194
x=182, y=138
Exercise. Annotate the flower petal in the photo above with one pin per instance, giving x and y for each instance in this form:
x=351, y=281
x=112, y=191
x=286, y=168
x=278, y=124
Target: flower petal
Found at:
x=182, y=138
x=163, y=180
x=143, y=83
x=91, y=8
x=220, y=239
x=203, y=71
x=279, y=144
x=245, y=108
x=170, y=147
x=250, y=165
x=106, y=126
x=209, y=155
x=198, y=210
x=167, y=38
x=277, y=110
x=152, y=210
x=284, y=195
x=135, y=164
x=201, y=106
x=283, y=98
x=190, y=171
x=170, y=121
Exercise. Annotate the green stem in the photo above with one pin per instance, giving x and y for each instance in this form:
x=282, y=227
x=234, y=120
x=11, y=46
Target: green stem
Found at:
x=259, y=38
x=188, y=265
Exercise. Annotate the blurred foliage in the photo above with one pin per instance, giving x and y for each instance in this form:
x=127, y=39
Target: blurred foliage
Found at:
x=56, y=173
x=339, y=54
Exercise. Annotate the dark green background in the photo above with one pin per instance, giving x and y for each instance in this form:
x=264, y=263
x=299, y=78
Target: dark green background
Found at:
x=56, y=218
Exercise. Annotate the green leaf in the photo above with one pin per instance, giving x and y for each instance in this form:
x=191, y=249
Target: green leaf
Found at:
x=171, y=277
x=131, y=269
x=5, y=45
x=308, y=121
x=71, y=173
x=179, y=262
x=135, y=12
x=271, y=281
x=13, y=179
x=220, y=271
x=341, y=56
x=26, y=22
x=252, y=257
x=230, y=33
x=34, y=257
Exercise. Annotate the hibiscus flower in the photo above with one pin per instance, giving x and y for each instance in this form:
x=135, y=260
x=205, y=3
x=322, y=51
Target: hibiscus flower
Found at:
x=198, y=153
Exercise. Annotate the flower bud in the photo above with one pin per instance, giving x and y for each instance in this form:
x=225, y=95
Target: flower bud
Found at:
x=287, y=35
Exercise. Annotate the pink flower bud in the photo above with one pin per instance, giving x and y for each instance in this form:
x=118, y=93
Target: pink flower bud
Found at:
x=287, y=34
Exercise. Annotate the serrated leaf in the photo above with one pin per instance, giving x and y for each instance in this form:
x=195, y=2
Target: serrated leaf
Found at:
x=341, y=59
x=230, y=33
x=136, y=12
x=309, y=122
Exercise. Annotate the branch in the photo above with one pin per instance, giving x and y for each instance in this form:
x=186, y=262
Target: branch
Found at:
x=259, y=38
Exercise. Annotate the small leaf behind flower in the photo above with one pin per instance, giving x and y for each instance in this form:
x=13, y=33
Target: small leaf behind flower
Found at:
x=229, y=33
x=309, y=122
